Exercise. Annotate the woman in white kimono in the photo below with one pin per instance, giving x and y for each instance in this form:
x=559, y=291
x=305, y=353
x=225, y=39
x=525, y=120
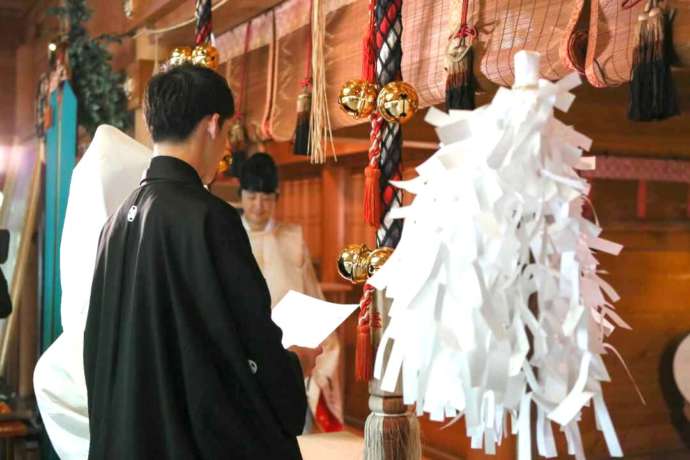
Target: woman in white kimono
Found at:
x=283, y=257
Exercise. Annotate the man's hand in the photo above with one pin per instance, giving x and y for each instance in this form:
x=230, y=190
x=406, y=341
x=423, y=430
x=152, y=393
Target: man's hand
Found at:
x=307, y=357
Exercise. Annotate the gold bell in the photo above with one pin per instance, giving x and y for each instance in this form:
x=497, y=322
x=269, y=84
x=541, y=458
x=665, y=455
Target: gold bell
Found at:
x=398, y=102
x=206, y=55
x=357, y=263
x=179, y=56
x=357, y=98
x=377, y=258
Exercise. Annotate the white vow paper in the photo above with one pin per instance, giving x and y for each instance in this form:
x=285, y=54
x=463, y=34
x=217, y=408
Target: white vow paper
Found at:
x=307, y=321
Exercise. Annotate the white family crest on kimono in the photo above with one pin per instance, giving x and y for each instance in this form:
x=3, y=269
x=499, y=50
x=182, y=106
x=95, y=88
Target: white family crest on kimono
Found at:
x=495, y=245
x=107, y=173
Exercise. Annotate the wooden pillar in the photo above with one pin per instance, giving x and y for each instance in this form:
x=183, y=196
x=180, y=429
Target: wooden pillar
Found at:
x=333, y=206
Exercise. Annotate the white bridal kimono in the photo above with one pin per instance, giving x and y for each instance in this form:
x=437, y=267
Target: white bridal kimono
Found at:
x=283, y=257
x=109, y=171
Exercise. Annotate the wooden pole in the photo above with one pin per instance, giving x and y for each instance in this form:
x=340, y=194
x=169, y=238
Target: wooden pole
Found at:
x=22, y=257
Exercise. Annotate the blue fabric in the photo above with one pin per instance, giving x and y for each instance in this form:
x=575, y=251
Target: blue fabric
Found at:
x=61, y=149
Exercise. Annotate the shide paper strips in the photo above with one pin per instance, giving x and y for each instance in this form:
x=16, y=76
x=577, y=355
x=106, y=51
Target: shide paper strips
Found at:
x=495, y=245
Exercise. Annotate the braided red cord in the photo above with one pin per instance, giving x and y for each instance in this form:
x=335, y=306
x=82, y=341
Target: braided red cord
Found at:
x=372, y=174
x=465, y=30
x=202, y=12
x=367, y=320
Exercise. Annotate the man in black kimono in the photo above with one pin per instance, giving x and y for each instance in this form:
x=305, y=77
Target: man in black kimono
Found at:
x=181, y=358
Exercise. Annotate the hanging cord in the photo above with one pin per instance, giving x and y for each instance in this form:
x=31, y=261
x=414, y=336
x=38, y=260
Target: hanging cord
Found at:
x=459, y=64
x=369, y=46
x=203, y=22
x=367, y=319
x=321, y=132
x=389, y=29
x=372, y=173
x=465, y=31
x=302, y=136
x=179, y=25
x=308, y=68
x=266, y=130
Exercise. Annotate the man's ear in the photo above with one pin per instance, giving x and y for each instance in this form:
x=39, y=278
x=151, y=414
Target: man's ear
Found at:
x=214, y=126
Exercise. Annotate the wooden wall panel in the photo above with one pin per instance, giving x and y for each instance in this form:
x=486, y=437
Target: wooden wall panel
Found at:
x=300, y=203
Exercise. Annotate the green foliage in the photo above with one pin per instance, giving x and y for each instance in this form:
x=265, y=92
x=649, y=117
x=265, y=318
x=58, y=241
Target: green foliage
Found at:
x=100, y=91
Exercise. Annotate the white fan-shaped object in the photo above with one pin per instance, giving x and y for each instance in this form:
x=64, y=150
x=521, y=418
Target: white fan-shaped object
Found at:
x=495, y=264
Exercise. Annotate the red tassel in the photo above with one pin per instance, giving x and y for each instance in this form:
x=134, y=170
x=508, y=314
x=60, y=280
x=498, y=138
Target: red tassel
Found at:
x=372, y=197
x=368, y=319
x=364, y=354
x=373, y=206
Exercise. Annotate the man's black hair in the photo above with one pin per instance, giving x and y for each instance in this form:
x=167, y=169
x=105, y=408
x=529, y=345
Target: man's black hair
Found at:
x=259, y=174
x=177, y=99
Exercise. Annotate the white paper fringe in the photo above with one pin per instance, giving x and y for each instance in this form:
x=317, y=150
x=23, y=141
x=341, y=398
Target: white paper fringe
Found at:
x=496, y=264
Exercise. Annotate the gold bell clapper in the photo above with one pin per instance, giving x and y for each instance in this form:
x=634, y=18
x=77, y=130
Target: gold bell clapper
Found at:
x=397, y=102
x=357, y=98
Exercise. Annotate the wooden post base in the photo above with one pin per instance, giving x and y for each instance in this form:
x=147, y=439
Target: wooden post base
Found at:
x=391, y=431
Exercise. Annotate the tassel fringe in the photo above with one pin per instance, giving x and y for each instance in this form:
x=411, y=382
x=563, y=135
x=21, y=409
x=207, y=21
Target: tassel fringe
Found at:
x=460, y=82
x=392, y=437
x=652, y=91
x=301, y=146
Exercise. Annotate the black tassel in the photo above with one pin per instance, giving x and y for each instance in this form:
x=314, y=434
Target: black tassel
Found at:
x=301, y=145
x=460, y=82
x=652, y=91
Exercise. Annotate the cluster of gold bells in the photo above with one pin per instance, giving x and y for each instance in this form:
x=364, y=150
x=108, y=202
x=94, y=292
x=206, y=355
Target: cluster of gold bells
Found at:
x=206, y=55
x=357, y=263
x=397, y=101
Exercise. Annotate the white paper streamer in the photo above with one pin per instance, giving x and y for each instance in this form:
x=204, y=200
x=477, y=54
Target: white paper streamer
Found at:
x=494, y=245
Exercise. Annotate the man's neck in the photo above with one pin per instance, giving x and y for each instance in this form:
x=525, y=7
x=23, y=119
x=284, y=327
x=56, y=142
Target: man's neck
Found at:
x=181, y=152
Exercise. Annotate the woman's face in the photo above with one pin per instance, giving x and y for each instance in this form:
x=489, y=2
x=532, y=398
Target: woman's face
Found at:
x=258, y=208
